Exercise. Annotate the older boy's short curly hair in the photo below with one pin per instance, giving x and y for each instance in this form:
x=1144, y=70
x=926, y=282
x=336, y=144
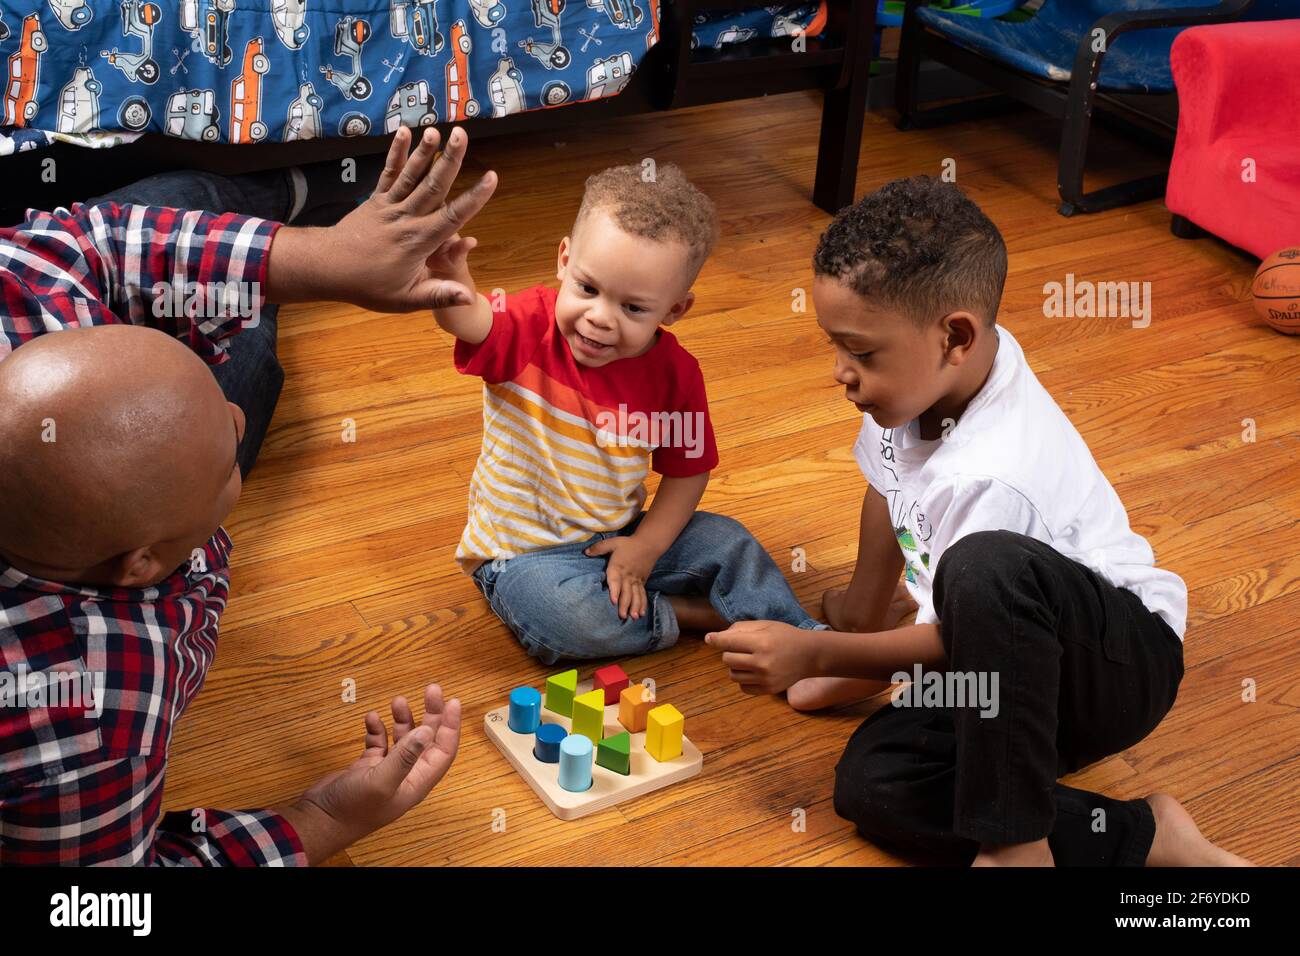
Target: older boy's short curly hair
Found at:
x=664, y=207
x=918, y=246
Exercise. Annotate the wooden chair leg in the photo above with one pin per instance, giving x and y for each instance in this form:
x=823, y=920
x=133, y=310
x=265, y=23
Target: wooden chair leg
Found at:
x=907, y=72
x=843, y=115
x=844, y=107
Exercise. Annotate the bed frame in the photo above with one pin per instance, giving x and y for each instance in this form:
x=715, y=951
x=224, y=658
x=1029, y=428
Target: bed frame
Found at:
x=670, y=76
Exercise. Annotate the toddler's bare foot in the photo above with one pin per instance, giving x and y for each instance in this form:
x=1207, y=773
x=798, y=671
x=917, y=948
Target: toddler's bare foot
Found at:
x=695, y=613
x=1036, y=853
x=816, y=693
x=1178, y=840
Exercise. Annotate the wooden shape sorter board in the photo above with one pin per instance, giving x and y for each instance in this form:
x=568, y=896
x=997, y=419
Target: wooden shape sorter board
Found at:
x=607, y=787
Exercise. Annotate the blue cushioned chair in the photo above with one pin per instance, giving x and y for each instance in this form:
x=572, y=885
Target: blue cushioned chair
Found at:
x=1071, y=58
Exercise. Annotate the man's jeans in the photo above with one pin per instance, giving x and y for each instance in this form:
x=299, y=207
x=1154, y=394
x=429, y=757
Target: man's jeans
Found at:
x=251, y=377
x=557, y=603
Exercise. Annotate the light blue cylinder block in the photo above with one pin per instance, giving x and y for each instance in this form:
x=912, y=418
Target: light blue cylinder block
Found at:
x=575, y=763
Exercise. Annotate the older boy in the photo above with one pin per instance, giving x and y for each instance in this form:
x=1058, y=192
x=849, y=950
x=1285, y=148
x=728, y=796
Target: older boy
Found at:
x=1014, y=545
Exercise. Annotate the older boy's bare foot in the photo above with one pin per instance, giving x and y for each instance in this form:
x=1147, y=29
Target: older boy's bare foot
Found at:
x=695, y=613
x=1178, y=840
x=840, y=617
x=816, y=693
x=1037, y=853
x=900, y=605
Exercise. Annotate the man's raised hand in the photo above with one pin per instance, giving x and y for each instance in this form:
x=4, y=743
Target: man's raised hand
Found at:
x=379, y=255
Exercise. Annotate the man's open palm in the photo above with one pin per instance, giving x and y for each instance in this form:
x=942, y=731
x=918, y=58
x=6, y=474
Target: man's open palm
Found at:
x=389, y=249
x=386, y=781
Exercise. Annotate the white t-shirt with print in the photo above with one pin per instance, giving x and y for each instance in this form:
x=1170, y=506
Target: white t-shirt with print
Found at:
x=1013, y=462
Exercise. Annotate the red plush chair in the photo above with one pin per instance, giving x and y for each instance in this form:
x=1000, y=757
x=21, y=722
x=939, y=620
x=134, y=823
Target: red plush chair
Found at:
x=1236, y=165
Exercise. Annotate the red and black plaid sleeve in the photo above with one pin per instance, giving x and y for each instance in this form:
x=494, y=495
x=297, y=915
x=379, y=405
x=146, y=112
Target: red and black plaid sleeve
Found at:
x=196, y=275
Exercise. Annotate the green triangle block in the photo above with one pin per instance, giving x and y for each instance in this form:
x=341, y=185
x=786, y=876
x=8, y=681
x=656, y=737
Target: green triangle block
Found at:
x=615, y=753
x=559, y=692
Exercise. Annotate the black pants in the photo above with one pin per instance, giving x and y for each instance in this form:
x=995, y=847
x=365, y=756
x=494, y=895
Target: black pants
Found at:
x=1084, y=671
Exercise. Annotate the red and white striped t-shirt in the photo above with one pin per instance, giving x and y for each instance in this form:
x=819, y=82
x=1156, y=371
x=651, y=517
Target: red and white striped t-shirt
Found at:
x=566, y=448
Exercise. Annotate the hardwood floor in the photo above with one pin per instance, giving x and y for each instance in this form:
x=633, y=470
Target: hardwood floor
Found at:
x=343, y=564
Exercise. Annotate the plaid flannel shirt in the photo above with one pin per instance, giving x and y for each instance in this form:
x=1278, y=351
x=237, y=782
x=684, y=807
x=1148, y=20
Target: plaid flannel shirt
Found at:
x=81, y=782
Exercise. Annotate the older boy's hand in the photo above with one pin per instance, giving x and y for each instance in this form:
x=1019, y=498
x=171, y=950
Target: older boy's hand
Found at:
x=628, y=569
x=765, y=657
x=378, y=256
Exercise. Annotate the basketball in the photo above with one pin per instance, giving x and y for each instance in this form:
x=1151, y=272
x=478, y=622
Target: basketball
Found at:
x=1276, y=290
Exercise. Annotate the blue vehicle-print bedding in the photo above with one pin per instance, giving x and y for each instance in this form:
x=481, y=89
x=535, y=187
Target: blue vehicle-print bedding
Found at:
x=101, y=72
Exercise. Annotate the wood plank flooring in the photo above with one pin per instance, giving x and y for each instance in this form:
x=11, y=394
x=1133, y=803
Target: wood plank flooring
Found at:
x=343, y=564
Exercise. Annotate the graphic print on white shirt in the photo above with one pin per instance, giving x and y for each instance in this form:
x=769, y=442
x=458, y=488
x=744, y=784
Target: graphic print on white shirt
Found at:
x=911, y=528
x=1014, y=462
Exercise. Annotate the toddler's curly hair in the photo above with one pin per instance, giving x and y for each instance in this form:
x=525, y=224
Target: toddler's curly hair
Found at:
x=663, y=207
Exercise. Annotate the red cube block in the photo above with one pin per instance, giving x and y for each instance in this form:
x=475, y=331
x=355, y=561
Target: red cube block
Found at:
x=611, y=680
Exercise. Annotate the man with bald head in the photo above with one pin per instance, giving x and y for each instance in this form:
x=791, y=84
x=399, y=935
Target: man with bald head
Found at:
x=143, y=455
x=120, y=458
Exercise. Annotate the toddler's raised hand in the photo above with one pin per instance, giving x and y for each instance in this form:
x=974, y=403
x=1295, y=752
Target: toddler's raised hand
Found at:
x=451, y=261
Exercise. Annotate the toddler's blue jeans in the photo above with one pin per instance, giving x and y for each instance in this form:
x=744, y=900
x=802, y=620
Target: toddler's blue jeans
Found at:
x=557, y=603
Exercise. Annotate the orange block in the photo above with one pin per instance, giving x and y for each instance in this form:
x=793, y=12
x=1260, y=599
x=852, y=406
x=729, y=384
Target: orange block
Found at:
x=634, y=703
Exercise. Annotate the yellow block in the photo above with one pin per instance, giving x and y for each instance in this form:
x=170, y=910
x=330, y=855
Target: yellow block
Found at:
x=663, y=732
x=589, y=715
x=633, y=704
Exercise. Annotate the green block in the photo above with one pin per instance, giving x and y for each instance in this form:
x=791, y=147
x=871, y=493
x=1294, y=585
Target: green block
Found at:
x=589, y=715
x=615, y=753
x=559, y=693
